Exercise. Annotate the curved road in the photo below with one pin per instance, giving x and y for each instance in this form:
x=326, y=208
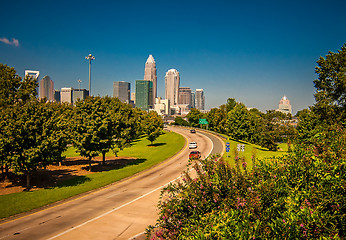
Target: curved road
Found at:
x=119, y=211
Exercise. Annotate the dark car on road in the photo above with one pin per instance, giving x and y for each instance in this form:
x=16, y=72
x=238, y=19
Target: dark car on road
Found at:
x=195, y=155
x=192, y=131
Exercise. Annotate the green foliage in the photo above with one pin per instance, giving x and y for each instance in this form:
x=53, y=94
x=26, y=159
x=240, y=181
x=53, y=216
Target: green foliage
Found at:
x=231, y=103
x=180, y=121
x=153, y=126
x=13, y=89
x=331, y=85
x=217, y=120
x=193, y=117
x=33, y=137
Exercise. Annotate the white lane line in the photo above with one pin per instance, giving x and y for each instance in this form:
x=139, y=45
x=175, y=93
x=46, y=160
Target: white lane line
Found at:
x=113, y=210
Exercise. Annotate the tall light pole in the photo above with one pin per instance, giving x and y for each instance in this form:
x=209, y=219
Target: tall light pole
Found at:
x=90, y=57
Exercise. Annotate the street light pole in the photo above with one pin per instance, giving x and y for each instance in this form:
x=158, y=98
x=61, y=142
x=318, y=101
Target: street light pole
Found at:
x=90, y=57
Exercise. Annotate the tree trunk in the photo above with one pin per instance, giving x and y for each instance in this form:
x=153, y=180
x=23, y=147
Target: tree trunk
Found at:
x=2, y=170
x=27, y=181
x=103, y=158
x=90, y=164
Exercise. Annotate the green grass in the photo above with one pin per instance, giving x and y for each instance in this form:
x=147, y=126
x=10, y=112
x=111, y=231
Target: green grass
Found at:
x=147, y=156
x=260, y=152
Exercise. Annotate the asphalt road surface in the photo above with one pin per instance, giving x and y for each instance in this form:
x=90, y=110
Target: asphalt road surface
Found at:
x=118, y=211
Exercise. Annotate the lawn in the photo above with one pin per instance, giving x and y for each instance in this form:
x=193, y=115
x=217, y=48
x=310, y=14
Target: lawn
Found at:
x=250, y=149
x=147, y=156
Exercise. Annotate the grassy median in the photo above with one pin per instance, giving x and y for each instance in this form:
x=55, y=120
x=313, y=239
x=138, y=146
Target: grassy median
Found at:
x=147, y=156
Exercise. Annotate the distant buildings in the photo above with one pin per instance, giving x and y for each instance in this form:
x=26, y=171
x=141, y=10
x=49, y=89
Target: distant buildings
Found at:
x=162, y=107
x=34, y=74
x=285, y=106
x=79, y=94
x=66, y=95
x=47, y=89
x=144, y=91
x=150, y=75
x=199, y=99
x=184, y=96
x=122, y=90
x=172, y=80
x=56, y=95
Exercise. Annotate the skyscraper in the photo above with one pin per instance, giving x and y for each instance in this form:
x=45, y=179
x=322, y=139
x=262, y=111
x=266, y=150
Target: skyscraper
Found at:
x=199, y=99
x=285, y=105
x=122, y=90
x=150, y=75
x=144, y=94
x=172, y=80
x=47, y=88
x=185, y=96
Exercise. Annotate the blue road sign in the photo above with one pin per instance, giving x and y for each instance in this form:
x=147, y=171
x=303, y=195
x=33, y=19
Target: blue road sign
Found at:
x=227, y=149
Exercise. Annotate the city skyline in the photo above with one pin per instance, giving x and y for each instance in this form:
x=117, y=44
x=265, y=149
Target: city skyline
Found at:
x=255, y=52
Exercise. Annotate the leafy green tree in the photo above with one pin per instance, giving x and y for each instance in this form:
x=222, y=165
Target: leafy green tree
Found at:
x=107, y=110
x=238, y=123
x=180, y=121
x=153, y=126
x=33, y=131
x=217, y=119
x=88, y=127
x=193, y=117
x=13, y=89
x=231, y=103
x=331, y=86
x=126, y=123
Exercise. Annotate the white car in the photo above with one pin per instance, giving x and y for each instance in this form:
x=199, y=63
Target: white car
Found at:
x=192, y=145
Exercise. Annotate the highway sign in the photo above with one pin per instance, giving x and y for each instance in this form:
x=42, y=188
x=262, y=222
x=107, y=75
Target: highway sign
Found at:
x=203, y=121
x=240, y=147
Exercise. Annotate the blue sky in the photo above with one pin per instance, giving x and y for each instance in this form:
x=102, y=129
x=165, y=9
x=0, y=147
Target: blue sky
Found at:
x=254, y=51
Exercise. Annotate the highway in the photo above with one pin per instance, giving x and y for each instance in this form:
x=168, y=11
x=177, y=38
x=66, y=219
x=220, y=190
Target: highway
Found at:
x=118, y=211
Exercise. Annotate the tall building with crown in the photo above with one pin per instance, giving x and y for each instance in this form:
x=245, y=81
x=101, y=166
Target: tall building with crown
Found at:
x=151, y=75
x=172, y=81
x=285, y=105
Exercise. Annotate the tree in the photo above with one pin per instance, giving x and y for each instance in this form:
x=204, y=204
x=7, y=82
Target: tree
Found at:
x=13, y=89
x=217, y=119
x=231, y=103
x=193, y=117
x=153, y=126
x=180, y=121
x=331, y=85
x=88, y=126
x=33, y=132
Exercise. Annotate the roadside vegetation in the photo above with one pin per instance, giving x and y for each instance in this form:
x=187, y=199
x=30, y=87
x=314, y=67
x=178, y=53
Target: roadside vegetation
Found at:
x=300, y=195
x=146, y=154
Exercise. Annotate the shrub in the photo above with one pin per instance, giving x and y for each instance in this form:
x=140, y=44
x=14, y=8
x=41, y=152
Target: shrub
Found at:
x=299, y=196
